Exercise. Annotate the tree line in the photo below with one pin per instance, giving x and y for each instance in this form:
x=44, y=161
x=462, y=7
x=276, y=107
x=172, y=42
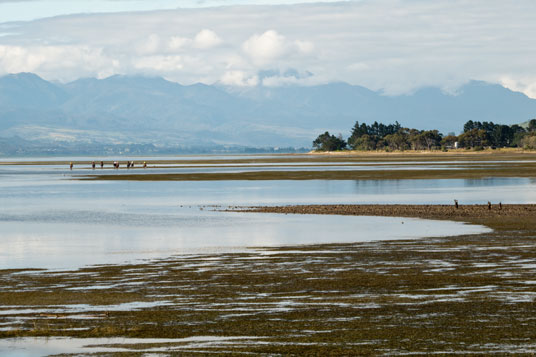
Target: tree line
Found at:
x=476, y=135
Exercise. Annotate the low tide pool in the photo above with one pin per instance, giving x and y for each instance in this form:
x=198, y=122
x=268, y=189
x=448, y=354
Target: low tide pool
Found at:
x=30, y=347
x=71, y=239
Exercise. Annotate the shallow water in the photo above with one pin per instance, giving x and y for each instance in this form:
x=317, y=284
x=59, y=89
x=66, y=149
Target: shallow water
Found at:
x=48, y=220
x=40, y=346
x=57, y=242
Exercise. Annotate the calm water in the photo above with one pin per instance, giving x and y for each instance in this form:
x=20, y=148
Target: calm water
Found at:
x=48, y=220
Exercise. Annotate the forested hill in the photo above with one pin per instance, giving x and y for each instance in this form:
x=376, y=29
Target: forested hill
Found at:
x=144, y=110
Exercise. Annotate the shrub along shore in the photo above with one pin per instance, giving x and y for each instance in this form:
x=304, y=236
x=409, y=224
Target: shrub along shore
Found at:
x=476, y=135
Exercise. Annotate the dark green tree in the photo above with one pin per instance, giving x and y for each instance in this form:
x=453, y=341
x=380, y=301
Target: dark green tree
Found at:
x=397, y=141
x=415, y=139
x=473, y=138
x=357, y=132
x=518, y=134
x=449, y=141
x=501, y=136
x=327, y=142
x=431, y=138
x=364, y=142
x=532, y=125
x=470, y=125
x=376, y=133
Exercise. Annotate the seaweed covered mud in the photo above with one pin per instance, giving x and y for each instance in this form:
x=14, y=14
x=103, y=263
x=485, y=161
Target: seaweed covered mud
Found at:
x=455, y=295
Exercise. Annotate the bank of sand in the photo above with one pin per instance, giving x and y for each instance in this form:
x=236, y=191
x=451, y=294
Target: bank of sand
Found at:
x=497, y=216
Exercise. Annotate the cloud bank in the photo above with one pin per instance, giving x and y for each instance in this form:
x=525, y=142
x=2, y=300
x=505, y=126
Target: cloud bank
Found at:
x=390, y=45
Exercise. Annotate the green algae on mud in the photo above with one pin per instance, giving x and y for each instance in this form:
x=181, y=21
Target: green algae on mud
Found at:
x=461, y=294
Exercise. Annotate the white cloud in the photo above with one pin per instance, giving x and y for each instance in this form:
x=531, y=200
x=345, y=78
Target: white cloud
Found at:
x=149, y=45
x=235, y=61
x=176, y=43
x=278, y=81
x=276, y=78
x=305, y=47
x=358, y=66
x=57, y=62
x=265, y=48
x=442, y=43
x=160, y=64
x=527, y=85
x=206, y=39
x=239, y=78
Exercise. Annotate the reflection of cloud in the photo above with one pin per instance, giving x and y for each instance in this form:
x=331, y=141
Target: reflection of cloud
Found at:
x=443, y=43
x=72, y=245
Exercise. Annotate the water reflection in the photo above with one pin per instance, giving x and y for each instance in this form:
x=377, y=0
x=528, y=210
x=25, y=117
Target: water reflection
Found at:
x=47, y=220
x=497, y=181
x=467, y=191
x=64, y=243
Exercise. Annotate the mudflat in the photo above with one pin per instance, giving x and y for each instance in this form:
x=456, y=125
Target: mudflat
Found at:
x=463, y=294
x=450, y=295
x=352, y=166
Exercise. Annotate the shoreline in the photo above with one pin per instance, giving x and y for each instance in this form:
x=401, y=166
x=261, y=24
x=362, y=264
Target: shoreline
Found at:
x=510, y=216
x=279, y=157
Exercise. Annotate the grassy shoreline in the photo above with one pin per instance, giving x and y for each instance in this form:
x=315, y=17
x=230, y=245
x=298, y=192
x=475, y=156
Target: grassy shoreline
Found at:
x=313, y=156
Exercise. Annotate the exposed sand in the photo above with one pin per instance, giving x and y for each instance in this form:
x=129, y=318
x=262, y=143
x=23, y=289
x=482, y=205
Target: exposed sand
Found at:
x=517, y=216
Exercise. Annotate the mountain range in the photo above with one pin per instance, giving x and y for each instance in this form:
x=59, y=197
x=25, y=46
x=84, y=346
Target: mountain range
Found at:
x=142, y=110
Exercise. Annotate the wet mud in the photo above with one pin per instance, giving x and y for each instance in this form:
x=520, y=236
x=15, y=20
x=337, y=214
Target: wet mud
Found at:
x=452, y=295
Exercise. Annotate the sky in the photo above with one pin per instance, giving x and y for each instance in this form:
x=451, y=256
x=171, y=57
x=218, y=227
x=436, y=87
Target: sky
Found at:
x=393, y=46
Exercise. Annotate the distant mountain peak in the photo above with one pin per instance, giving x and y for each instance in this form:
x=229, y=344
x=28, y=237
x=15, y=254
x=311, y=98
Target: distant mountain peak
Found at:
x=24, y=75
x=152, y=108
x=28, y=90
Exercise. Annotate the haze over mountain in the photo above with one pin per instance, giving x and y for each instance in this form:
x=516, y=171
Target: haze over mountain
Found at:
x=122, y=109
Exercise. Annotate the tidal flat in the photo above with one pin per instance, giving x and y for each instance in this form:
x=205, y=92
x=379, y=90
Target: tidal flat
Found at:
x=430, y=165
x=460, y=294
x=459, y=164
x=453, y=295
